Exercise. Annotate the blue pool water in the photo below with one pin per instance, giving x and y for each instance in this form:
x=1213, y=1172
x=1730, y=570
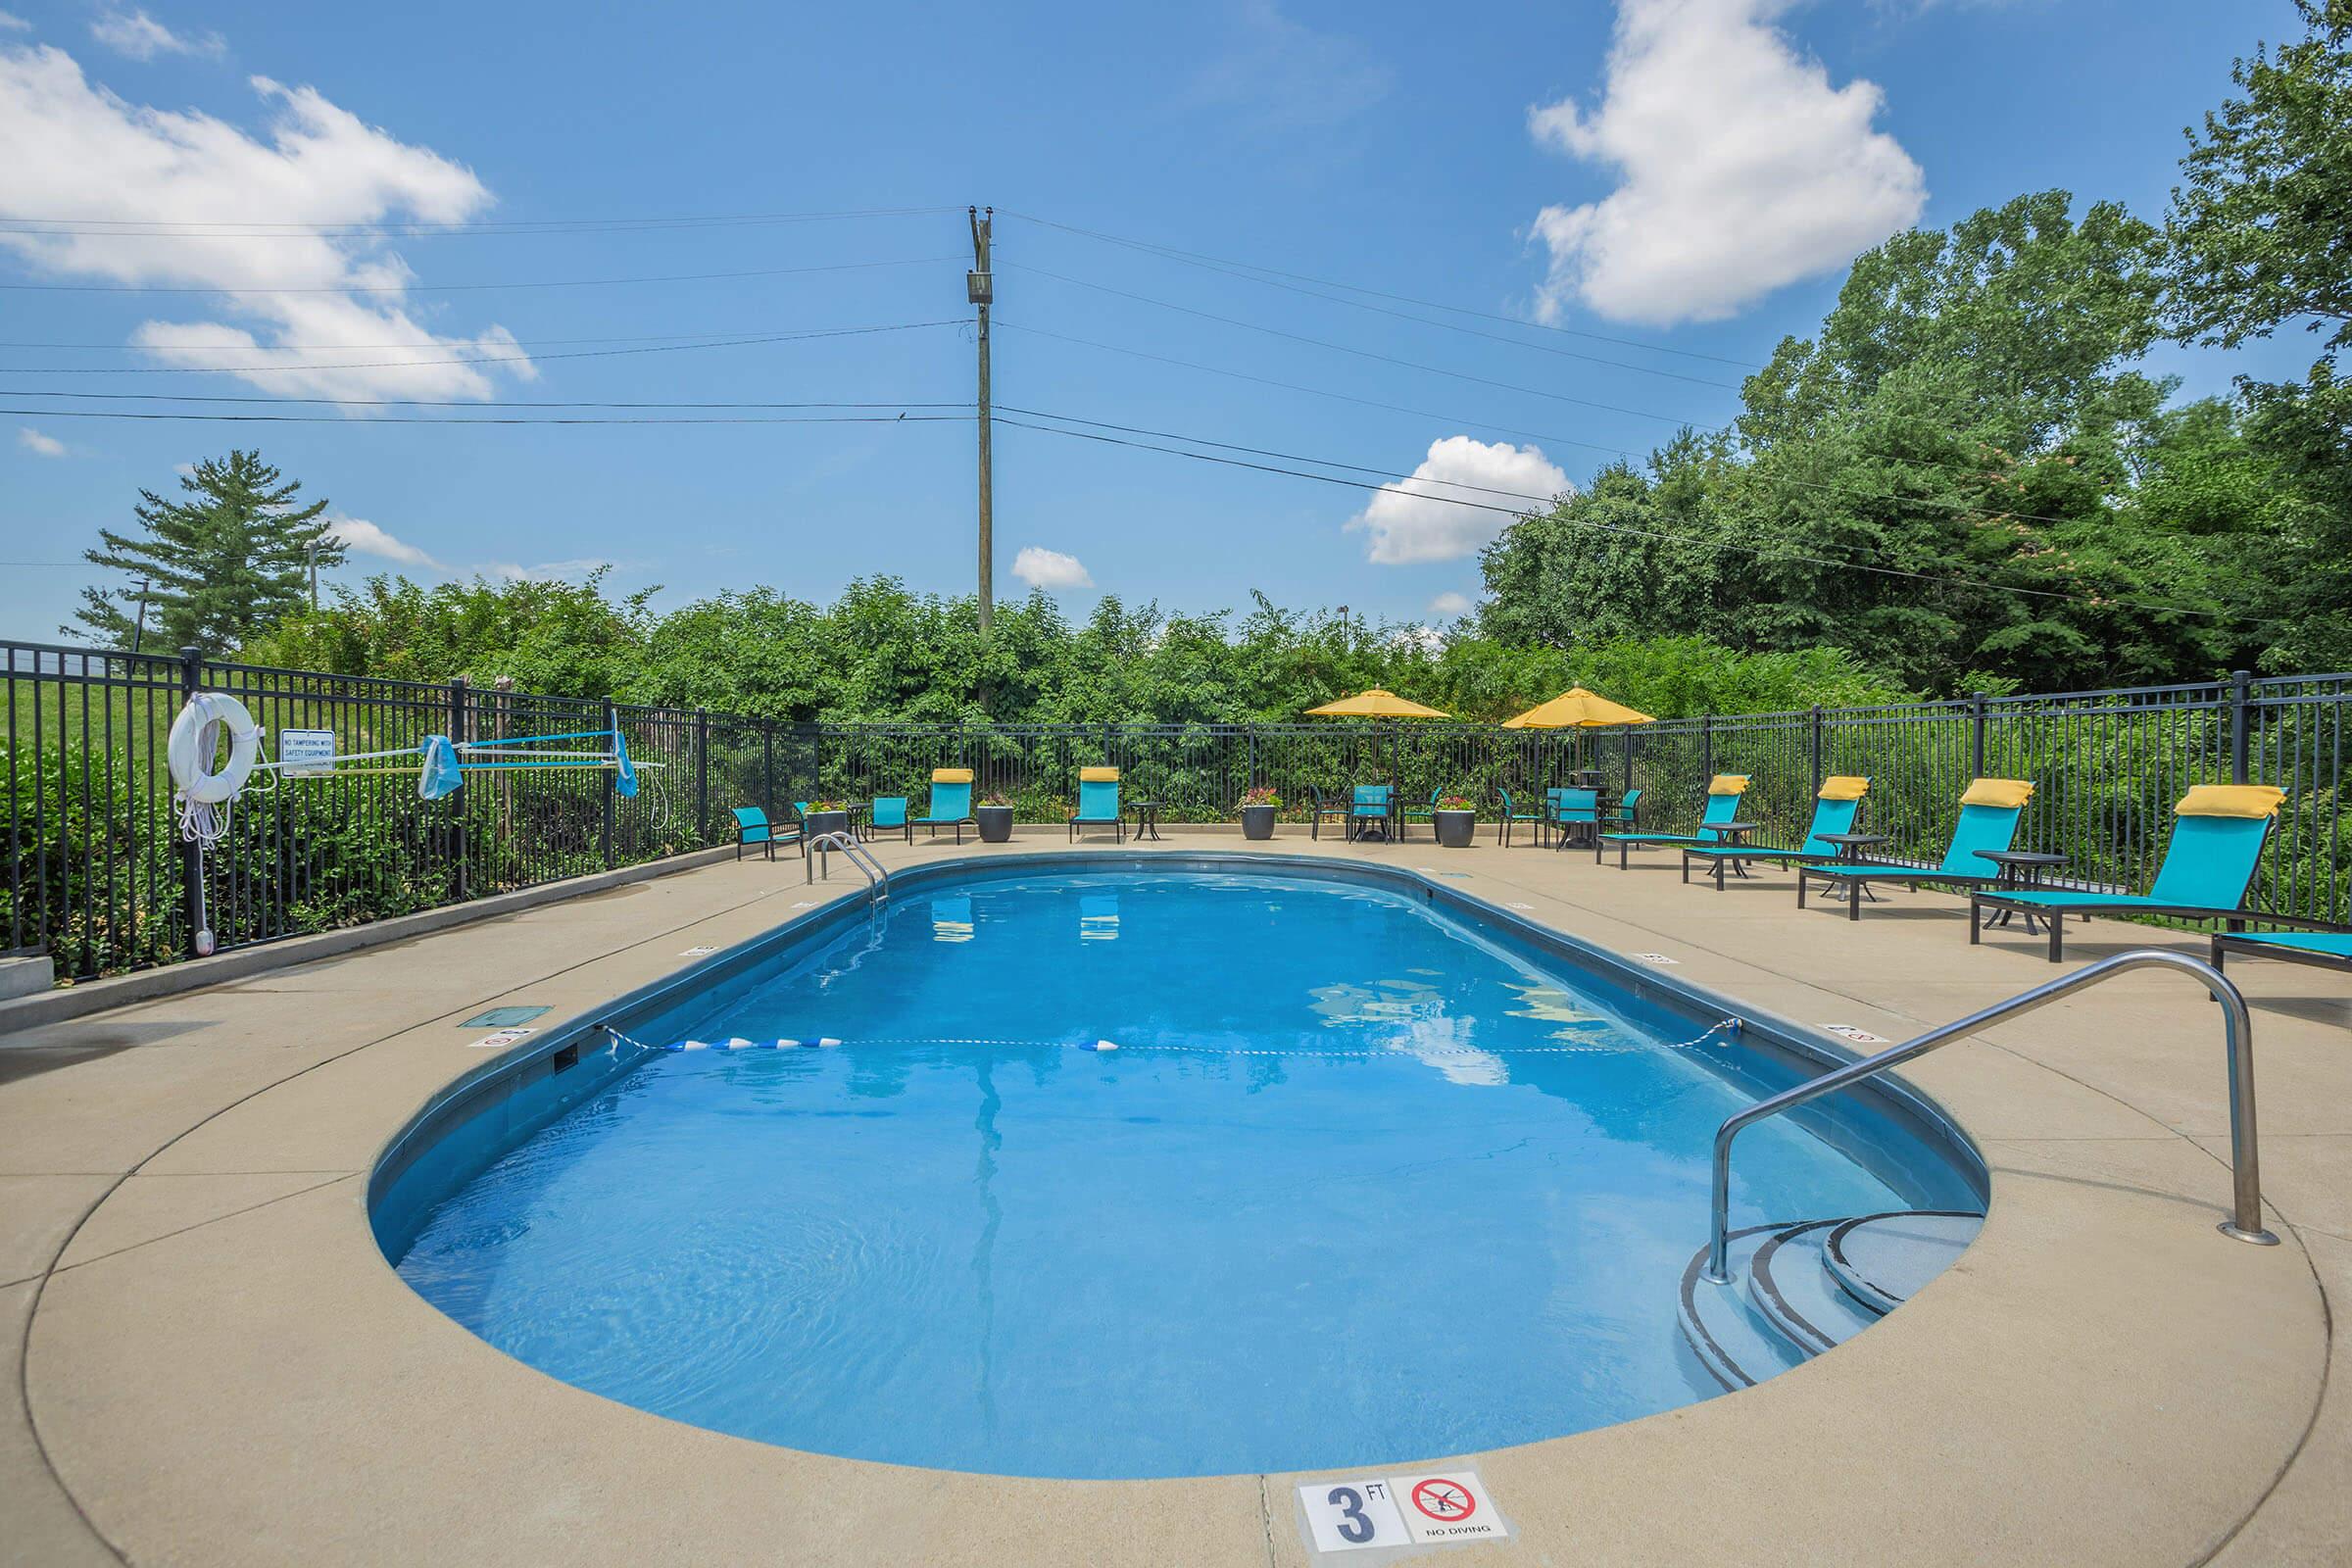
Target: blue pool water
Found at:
x=1361, y=1185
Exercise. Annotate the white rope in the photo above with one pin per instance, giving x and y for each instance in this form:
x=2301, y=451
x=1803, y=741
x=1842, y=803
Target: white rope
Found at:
x=1729, y=1026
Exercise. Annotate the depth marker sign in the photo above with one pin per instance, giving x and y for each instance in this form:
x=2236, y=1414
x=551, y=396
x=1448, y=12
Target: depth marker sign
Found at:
x=1429, y=1510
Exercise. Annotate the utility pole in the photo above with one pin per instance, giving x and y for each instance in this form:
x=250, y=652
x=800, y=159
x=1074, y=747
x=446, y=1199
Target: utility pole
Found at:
x=980, y=288
x=139, y=630
x=312, y=551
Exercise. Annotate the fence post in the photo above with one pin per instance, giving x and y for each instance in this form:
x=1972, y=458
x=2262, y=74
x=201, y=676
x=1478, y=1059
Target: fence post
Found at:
x=459, y=709
x=612, y=781
x=768, y=766
x=1706, y=746
x=1816, y=747
x=2239, y=680
x=1976, y=741
x=192, y=853
x=702, y=773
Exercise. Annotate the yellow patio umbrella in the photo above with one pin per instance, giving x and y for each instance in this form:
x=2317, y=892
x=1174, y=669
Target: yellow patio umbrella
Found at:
x=1376, y=703
x=1576, y=708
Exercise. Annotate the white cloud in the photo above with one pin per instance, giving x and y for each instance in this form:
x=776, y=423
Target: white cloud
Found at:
x=46, y=446
x=1451, y=606
x=140, y=36
x=365, y=538
x=77, y=152
x=1418, y=518
x=1050, y=570
x=545, y=570
x=14, y=23
x=1428, y=639
x=1740, y=167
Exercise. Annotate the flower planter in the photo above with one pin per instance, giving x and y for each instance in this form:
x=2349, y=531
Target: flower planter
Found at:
x=1257, y=821
x=995, y=824
x=1455, y=828
x=822, y=822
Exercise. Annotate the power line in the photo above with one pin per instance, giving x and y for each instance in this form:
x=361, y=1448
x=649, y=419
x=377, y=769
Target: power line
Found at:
x=117, y=346
x=1845, y=492
x=1249, y=268
x=1469, y=332
x=1324, y=392
x=455, y=288
x=1368, y=354
x=456, y=403
x=1396, y=484
x=258, y=228
x=1039, y=414
x=328, y=419
x=260, y=367
x=1660, y=535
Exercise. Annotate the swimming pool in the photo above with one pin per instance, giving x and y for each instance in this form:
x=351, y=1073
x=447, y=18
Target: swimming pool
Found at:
x=1362, y=1181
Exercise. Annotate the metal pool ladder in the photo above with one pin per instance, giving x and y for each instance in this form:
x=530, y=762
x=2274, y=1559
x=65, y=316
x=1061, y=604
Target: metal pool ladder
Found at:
x=2246, y=1220
x=877, y=880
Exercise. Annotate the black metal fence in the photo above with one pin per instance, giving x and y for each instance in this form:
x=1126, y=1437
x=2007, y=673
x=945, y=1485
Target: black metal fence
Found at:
x=98, y=878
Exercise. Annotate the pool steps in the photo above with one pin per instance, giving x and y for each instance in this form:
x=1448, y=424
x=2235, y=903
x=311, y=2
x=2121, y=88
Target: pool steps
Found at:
x=1804, y=1286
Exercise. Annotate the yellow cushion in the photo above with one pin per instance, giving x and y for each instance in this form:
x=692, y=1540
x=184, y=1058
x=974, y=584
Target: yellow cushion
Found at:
x=1728, y=784
x=1098, y=775
x=951, y=775
x=1844, y=787
x=2231, y=800
x=1999, y=792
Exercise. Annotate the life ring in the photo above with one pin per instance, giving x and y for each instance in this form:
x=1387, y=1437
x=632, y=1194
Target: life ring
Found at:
x=196, y=735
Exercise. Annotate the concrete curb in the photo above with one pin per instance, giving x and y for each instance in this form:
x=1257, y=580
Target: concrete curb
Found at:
x=169, y=980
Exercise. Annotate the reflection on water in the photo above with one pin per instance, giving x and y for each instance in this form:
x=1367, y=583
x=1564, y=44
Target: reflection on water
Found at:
x=1410, y=1017
x=1099, y=917
x=952, y=920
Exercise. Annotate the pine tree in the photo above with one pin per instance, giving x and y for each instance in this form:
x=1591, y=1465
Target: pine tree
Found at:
x=222, y=564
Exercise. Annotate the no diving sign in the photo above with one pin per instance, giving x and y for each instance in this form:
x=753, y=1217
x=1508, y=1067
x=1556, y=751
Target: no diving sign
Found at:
x=1429, y=1510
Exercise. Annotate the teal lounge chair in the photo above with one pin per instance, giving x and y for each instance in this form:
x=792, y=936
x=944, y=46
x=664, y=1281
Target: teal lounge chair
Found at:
x=1098, y=801
x=1372, y=804
x=1512, y=814
x=751, y=826
x=889, y=816
x=1574, y=810
x=2218, y=834
x=2329, y=950
x=1723, y=805
x=1834, y=811
x=1989, y=811
x=950, y=801
x=1627, y=812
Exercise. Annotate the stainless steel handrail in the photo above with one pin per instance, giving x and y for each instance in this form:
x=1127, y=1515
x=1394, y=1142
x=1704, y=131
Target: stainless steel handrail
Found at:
x=877, y=880
x=2244, y=1223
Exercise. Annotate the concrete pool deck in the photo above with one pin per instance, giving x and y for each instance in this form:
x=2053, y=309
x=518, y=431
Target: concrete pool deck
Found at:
x=209, y=1360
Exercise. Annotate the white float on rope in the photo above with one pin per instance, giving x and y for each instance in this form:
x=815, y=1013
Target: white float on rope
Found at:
x=190, y=753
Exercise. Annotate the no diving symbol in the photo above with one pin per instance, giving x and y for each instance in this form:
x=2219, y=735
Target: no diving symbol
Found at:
x=1445, y=1502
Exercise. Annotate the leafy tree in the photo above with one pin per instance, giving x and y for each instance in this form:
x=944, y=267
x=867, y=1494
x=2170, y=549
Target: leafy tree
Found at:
x=1634, y=554
x=223, y=563
x=2256, y=240
x=555, y=638
x=1939, y=482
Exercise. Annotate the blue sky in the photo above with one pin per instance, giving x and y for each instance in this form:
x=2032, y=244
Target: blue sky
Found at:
x=1687, y=179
